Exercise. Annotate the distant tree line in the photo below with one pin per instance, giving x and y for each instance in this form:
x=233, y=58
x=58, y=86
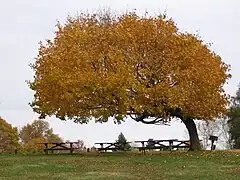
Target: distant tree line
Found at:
x=9, y=138
x=27, y=138
x=234, y=120
x=226, y=128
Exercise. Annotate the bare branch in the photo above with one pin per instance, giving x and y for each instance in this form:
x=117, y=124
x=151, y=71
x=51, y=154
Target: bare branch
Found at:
x=133, y=117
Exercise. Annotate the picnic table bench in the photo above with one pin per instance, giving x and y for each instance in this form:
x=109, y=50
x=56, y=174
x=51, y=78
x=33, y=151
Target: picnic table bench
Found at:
x=58, y=146
x=159, y=144
x=114, y=146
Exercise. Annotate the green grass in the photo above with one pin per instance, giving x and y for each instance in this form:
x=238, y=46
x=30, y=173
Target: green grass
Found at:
x=177, y=165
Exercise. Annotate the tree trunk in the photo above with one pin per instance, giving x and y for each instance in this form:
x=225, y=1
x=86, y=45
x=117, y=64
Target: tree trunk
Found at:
x=193, y=135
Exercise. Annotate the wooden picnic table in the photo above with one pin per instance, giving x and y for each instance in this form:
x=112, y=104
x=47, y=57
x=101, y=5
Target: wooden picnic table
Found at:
x=114, y=146
x=159, y=144
x=58, y=146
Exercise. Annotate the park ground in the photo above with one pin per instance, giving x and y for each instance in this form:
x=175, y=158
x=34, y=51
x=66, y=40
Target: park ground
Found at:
x=219, y=165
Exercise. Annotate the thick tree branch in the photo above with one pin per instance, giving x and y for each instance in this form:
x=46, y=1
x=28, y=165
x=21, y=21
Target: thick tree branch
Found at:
x=143, y=119
x=173, y=112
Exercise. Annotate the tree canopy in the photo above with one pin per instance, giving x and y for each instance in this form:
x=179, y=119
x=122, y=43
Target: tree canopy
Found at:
x=8, y=137
x=100, y=66
x=103, y=66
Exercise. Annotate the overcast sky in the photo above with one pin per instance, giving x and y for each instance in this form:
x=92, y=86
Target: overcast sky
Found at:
x=24, y=23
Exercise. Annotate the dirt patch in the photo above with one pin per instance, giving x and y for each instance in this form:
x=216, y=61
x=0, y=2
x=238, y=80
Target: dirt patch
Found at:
x=234, y=170
x=97, y=174
x=234, y=150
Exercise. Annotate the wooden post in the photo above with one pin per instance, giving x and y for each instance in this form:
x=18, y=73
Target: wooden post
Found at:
x=71, y=147
x=101, y=144
x=170, y=145
x=213, y=139
x=144, y=151
x=46, y=148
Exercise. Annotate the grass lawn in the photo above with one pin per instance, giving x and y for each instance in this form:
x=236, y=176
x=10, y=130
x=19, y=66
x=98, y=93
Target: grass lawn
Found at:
x=176, y=165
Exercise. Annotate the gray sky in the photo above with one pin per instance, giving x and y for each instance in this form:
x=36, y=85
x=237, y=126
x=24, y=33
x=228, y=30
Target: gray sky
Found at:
x=24, y=23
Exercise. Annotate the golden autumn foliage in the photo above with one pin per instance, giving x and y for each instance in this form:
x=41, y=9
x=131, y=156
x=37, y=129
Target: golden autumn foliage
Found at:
x=8, y=137
x=33, y=145
x=35, y=133
x=103, y=66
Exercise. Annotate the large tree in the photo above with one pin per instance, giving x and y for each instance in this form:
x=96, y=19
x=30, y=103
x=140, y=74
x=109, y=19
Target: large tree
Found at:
x=101, y=66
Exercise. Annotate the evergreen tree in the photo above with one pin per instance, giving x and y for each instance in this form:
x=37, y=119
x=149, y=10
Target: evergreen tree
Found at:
x=234, y=120
x=122, y=142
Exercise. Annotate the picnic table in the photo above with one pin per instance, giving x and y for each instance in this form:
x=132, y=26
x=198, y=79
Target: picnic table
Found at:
x=159, y=144
x=59, y=146
x=114, y=146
